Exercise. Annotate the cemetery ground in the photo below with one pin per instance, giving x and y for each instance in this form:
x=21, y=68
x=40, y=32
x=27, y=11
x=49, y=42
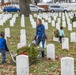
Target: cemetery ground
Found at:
x=40, y=67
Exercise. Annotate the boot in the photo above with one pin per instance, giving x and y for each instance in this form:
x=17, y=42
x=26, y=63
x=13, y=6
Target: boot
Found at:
x=42, y=52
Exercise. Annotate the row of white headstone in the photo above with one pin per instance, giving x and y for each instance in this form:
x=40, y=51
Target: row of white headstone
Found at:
x=72, y=37
x=65, y=61
x=65, y=41
x=51, y=48
x=7, y=33
x=33, y=22
x=22, y=65
x=13, y=20
x=48, y=17
x=57, y=20
x=22, y=61
x=22, y=20
x=4, y=18
x=23, y=68
x=22, y=39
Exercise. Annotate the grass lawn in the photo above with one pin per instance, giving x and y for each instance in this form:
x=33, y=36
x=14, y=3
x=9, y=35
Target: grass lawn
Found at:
x=41, y=67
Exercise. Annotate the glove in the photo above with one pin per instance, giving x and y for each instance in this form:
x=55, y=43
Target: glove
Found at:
x=7, y=50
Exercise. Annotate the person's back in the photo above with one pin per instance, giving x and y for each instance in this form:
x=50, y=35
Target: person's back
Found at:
x=3, y=47
x=41, y=31
x=61, y=32
x=40, y=35
x=2, y=43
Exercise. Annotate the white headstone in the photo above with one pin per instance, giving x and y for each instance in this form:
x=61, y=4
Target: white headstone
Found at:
x=20, y=45
x=22, y=21
x=4, y=20
x=68, y=21
x=70, y=27
x=7, y=32
x=58, y=26
x=22, y=32
x=54, y=17
x=59, y=20
x=49, y=20
x=67, y=66
x=55, y=39
x=23, y=39
x=11, y=23
x=73, y=37
x=53, y=23
x=33, y=24
x=74, y=24
x=1, y=22
x=60, y=14
x=64, y=23
x=43, y=21
x=46, y=17
x=63, y=18
x=35, y=15
x=22, y=65
x=6, y=1
x=65, y=43
x=51, y=51
x=46, y=25
x=14, y=20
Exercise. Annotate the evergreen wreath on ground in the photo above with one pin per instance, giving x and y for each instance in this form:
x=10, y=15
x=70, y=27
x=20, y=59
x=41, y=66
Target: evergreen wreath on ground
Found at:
x=73, y=19
x=31, y=51
x=56, y=33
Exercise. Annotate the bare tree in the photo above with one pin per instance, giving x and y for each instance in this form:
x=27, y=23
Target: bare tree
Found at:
x=24, y=7
x=36, y=1
x=33, y=1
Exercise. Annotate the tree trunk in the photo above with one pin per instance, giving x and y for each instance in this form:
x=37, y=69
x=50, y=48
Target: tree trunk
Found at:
x=33, y=1
x=2, y=1
x=36, y=1
x=53, y=1
x=24, y=7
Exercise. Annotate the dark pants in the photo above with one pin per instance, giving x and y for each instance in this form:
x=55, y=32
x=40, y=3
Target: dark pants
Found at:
x=3, y=53
x=60, y=39
x=38, y=40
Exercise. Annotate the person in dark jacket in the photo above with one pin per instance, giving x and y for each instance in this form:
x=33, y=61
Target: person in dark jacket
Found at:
x=40, y=34
x=3, y=47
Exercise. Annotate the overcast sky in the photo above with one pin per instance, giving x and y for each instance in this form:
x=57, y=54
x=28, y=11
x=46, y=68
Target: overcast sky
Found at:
x=46, y=0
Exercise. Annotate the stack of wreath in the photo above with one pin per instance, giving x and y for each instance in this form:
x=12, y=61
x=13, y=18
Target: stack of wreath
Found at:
x=56, y=33
x=31, y=51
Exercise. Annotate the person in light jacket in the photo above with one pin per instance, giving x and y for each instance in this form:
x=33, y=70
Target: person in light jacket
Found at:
x=61, y=34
